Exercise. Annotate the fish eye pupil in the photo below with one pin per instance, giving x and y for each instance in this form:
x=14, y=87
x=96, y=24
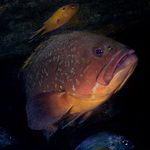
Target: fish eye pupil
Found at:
x=99, y=52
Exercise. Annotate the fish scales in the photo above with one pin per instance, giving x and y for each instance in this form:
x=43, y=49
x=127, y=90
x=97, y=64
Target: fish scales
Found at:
x=51, y=52
x=53, y=49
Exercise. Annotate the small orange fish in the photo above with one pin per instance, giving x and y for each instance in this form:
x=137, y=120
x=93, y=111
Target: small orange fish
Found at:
x=58, y=19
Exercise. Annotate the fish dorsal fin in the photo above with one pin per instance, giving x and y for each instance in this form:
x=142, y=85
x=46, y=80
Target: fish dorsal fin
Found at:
x=34, y=54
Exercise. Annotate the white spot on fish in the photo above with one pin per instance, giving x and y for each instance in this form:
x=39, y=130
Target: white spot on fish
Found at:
x=97, y=85
x=58, y=58
x=96, y=71
x=61, y=87
x=72, y=70
x=87, y=67
x=73, y=88
x=74, y=94
x=66, y=74
x=47, y=86
x=81, y=75
x=88, y=82
x=77, y=82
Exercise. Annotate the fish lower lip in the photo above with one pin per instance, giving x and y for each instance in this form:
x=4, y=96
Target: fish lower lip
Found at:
x=128, y=60
x=119, y=62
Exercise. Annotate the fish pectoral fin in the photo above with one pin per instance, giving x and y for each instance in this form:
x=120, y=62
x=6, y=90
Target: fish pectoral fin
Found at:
x=79, y=118
x=65, y=116
x=85, y=116
x=45, y=109
x=70, y=120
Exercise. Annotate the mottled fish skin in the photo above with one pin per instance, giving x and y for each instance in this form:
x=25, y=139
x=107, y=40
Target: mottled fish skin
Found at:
x=61, y=76
x=60, y=59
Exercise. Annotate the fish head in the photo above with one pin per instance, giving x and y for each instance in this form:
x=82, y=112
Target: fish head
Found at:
x=69, y=10
x=105, y=65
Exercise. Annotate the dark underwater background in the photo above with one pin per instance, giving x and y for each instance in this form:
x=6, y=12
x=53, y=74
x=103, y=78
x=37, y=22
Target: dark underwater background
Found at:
x=127, y=113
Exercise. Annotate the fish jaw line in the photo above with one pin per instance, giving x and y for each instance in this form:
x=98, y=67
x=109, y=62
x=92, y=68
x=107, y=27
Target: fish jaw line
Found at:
x=129, y=61
x=129, y=73
x=119, y=61
x=127, y=68
x=119, y=78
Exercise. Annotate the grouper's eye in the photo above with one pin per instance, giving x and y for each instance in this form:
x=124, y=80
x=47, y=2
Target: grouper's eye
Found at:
x=98, y=52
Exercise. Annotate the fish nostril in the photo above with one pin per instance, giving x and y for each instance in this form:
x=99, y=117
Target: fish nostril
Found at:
x=109, y=48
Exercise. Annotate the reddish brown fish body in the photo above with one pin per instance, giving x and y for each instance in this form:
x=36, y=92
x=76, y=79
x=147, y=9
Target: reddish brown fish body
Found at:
x=73, y=73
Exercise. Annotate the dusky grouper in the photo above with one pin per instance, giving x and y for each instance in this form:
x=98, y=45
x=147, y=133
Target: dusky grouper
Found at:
x=71, y=74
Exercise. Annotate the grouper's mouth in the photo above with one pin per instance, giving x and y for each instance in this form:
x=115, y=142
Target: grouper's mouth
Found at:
x=122, y=62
